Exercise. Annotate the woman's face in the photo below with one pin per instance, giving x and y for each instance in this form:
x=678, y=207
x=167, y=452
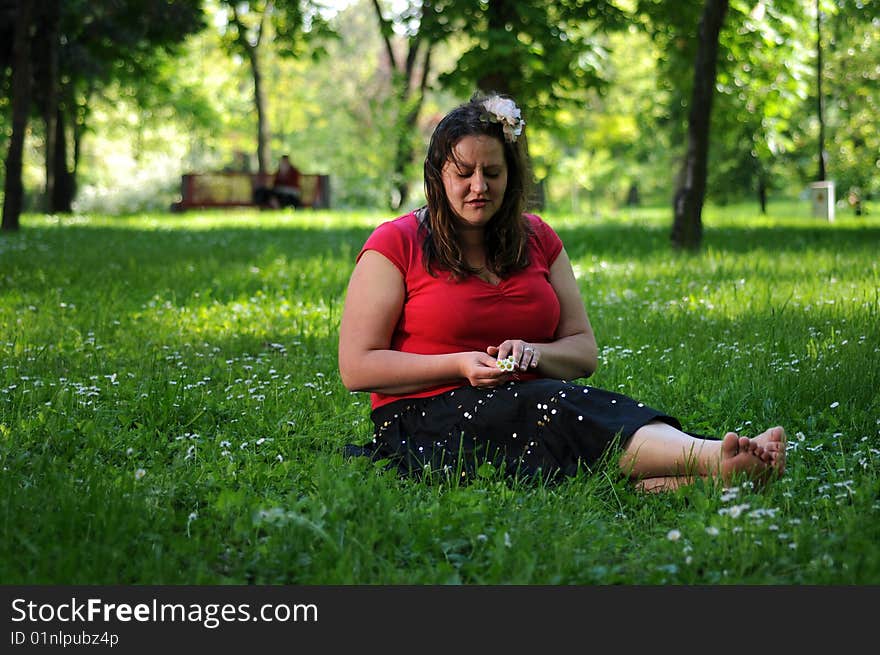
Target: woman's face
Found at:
x=476, y=178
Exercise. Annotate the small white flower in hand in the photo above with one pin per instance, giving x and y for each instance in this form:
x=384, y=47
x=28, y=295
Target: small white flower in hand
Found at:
x=507, y=365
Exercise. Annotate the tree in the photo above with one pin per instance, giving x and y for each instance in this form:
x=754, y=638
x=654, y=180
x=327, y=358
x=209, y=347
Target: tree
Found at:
x=423, y=25
x=820, y=97
x=687, y=228
x=142, y=36
x=762, y=80
x=48, y=81
x=247, y=25
x=544, y=54
x=541, y=53
x=852, y=95
x=251, y=25
x=612, y=148
x=73, y=56
x=21, y=101
x=775, y=112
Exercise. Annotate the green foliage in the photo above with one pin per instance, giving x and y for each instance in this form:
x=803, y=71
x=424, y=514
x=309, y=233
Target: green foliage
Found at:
x=171, y=410
x=545, y=54
x=762, y=81
x=764, y=125
x=294, y=23
x=599, y=152
x=605, y=88
x=119, y=43
x=852, y=80
x=96, y=46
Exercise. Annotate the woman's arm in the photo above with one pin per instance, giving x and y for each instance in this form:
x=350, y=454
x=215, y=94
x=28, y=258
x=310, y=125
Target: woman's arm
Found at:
x=573, y=353
x=372, y=309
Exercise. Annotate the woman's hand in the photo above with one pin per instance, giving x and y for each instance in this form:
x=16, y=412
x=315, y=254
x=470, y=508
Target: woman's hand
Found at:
x=481, y=370
x=525, y=355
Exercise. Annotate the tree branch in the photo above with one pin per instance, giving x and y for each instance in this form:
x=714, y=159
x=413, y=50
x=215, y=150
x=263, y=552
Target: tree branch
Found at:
x=385, y=30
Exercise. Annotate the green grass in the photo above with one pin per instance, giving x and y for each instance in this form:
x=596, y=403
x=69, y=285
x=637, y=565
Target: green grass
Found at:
x=171, y=411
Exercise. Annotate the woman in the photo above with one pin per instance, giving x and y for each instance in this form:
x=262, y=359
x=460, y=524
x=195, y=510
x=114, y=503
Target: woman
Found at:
x=464, y=321
x=286, y=190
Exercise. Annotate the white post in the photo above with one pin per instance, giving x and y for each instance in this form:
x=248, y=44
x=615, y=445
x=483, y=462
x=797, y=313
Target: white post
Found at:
x=822, y=195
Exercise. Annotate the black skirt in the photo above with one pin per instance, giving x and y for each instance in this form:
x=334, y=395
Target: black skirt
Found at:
x=539, y=427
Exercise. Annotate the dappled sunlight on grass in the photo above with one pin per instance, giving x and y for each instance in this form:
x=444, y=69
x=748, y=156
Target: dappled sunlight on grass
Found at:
x=200, y=220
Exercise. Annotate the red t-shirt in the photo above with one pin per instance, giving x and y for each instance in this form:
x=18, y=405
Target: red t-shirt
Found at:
x=441, y=315
x=287, y=178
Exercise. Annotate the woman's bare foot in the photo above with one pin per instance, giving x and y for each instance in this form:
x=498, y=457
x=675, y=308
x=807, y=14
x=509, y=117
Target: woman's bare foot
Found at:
x=661, y=458
x=770, y=447
x=741, y=455
x=737, y=455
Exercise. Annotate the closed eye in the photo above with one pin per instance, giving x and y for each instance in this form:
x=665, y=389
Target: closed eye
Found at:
x=466, y=174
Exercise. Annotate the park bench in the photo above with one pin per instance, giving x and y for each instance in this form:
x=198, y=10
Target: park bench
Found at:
x=236, y=189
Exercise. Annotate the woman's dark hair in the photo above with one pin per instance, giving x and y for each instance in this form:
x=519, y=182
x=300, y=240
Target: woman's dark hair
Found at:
x=507, y=233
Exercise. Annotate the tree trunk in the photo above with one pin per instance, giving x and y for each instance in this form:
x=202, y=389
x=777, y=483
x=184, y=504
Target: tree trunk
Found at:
x=64, y=188
x=820, y=100
x=410, y=97
x=499, y=14
x=404, y=151
x=762, y=193
x=687, y=228
x=252, y=51
x=51, y=83
x=263, y=136
x=632, y=196
x=13, y=198
x=411, y=100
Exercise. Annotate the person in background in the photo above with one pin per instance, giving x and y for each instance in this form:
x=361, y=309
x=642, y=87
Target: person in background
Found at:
x=285, y=190
x=464, y=321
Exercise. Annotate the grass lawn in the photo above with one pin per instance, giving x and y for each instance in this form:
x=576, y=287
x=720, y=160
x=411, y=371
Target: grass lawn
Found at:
x=171, y=411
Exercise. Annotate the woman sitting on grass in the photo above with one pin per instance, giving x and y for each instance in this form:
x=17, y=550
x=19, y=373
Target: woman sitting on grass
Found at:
x=464, y=320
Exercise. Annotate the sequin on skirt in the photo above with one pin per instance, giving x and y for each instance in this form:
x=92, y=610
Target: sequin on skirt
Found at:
x=535, y=428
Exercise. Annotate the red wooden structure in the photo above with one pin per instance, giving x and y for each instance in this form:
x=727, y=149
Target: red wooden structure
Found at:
x=236, y=189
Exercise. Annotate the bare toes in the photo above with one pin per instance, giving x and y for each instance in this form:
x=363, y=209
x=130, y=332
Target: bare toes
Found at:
x=777, y=435
x=730, y=445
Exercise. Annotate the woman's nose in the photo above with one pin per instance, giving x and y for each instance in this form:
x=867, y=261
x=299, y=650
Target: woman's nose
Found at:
x=478, y=183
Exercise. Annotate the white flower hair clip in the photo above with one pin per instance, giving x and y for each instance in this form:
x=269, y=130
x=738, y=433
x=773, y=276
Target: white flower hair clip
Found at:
x=504, y=111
